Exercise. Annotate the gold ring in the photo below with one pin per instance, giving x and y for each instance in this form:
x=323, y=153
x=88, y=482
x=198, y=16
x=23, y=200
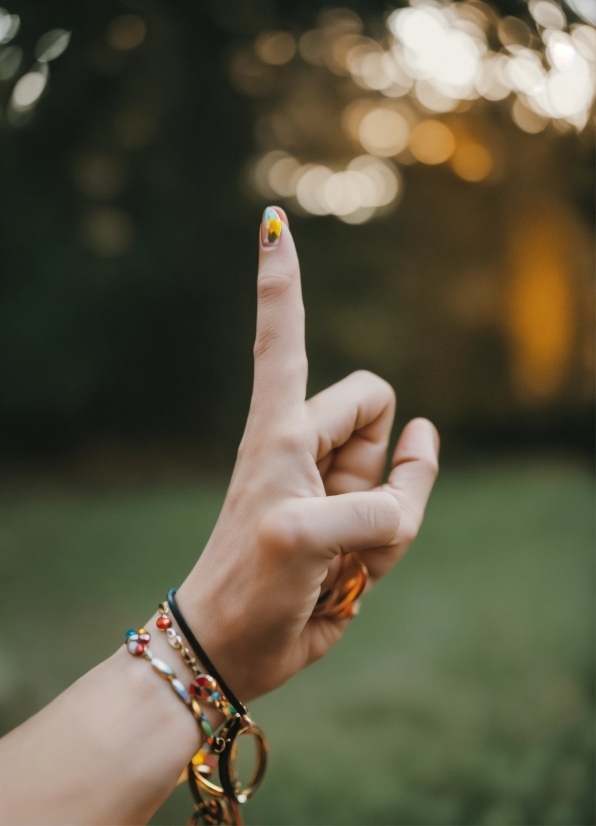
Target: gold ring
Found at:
x=338, y=601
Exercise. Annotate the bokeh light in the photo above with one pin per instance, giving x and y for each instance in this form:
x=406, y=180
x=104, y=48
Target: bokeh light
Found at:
x=548, y=15
x=432, y=142
x=282, y=177
x=100, y=176
x=584, y=40
x=28, y=90
x=433, y=62
x=30, y=86
x=586, y=9
x=539, y=310
x=310, y=189
x=353, y=194
x=526, y=118
x=126, y=32
x=383, y=132
x=275, y=48
x=10, y=61
x=9, y=25
x=108, y=232
x=472, y=161
x=51, y=45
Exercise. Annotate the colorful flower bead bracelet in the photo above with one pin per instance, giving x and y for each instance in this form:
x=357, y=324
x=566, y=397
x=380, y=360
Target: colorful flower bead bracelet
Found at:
x=137, y=643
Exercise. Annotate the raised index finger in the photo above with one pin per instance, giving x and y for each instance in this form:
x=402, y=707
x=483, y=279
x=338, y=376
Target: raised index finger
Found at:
x=280, y=354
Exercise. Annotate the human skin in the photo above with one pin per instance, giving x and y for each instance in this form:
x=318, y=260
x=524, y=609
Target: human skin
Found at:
x=306, y=488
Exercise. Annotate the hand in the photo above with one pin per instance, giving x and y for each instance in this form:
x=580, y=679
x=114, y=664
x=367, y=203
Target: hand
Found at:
x=305, y=489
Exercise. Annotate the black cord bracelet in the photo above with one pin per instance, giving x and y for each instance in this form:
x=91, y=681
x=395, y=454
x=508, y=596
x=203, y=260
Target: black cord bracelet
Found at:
x=198, y=649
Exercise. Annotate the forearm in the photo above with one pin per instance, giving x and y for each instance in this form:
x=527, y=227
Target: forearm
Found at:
x=108, y=750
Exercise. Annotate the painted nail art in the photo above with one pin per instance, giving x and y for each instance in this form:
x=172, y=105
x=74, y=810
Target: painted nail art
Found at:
x=271, y=225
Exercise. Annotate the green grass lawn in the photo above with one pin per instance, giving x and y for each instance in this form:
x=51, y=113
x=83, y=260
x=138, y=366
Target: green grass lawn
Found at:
x=462, y=694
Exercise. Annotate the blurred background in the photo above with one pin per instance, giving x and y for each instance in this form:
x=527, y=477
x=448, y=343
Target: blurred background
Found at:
x=436, y=161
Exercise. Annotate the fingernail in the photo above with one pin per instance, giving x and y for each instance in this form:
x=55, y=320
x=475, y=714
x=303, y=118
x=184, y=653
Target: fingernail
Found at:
x=270, y=228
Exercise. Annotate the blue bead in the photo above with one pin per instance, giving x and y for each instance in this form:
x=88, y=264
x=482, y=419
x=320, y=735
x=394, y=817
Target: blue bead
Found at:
x=131, y=632
x=216, y=695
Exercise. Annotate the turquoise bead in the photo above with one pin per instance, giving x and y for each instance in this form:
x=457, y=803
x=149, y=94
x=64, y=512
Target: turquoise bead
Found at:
x=130, y=633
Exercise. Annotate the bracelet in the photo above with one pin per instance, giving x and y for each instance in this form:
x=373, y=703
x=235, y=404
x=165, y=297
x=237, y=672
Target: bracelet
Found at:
x=200, y=652
x=231, y=787
x=221, y=807
x=215, y=810
x=137, y=643
x=217, y=751
x=203, y=686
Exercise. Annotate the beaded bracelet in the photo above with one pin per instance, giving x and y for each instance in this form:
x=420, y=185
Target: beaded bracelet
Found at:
x=137, y=643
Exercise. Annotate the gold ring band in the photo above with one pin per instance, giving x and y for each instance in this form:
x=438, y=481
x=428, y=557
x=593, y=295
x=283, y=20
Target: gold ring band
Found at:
x=338, y=602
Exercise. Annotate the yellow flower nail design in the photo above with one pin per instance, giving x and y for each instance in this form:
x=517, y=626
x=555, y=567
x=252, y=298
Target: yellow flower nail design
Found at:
x=272, y=225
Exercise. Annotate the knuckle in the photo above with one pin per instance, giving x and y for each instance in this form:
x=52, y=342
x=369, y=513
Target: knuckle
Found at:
x=380, y=515
x=280, y=531
x=290, y=440
x=271, y=286
x=364, y=375
x=377, y=382
x=390, y=508
x=366, y=514
x=265, y=340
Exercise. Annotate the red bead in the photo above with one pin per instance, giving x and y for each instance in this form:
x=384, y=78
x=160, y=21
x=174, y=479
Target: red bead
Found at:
x=163, y=622
x=140, y=649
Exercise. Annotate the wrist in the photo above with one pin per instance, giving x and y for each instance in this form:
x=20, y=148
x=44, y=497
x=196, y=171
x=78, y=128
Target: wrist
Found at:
x=217, y=629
